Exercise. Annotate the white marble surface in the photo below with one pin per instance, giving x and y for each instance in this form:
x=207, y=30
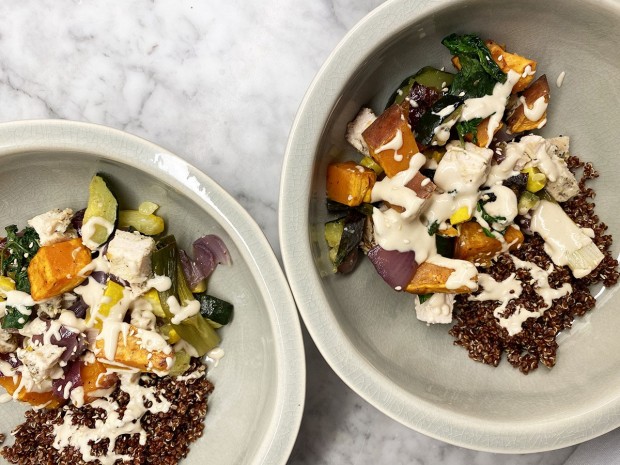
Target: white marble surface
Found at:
x=217, y=82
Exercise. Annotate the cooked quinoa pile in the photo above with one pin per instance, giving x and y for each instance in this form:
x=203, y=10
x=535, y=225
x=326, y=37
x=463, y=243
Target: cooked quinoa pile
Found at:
x=478, y=331
x=169, y=435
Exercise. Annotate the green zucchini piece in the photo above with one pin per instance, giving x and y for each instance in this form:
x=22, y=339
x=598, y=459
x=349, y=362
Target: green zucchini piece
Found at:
x=352, y=231
x=181, y=363
x=194, y=330
x=147, y=224
x=427, y=77
x=215, y=310
x=337, y=207
x=333, y=232
x=101, y=204
x=527, y=201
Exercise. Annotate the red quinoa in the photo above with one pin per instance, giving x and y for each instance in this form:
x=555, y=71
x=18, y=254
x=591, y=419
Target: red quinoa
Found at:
x=168, y=434
x=478, y=331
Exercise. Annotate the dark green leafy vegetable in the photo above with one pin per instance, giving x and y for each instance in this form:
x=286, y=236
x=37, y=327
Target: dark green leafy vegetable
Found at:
x=471, y=46
x=14, y=319
x=17, y=253
x=468, y=127
x=217, y=310
x=476, y=78
x=433, y=228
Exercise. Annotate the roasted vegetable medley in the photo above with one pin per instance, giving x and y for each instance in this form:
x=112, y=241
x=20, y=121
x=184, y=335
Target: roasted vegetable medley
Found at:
x=449, y=177
x=91, y=300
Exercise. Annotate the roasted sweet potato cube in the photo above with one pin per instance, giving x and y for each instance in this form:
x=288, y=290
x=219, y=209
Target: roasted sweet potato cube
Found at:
x=138, y=348
x=390, y=140
x=36, y=399
x=349, y=183
x=518, y=121
x=94, y=378
x=431, y=278
x=55, y=268
x=511, y=61
x=475, y=246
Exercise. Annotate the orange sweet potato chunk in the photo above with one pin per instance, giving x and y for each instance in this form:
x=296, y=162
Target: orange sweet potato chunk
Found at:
x=517, y=121
x=349, y=183
x=475, y=246
x=430, y=278
x=94, y=377
x=32, y=398
x=392, y=130
x=55, y=268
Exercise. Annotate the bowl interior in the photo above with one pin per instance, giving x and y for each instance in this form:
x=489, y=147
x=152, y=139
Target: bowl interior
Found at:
x=370, y=334
x=247, y=405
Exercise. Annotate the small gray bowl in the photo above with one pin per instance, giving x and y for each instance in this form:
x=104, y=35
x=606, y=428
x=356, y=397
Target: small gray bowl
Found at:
x=368, y=333
x=256, y=408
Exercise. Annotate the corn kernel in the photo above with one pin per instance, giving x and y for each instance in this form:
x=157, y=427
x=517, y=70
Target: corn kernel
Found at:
x=173, y=337
x=536, y=182
x=460, y=216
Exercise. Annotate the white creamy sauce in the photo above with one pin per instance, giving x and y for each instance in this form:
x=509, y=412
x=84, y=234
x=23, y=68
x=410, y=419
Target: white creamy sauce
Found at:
x=100, y=263
x=436, y=309
x=492, y=106
x=213, y=357
x=18, y=300
x=395, y=191
x=560, y=79
x=536, y=111
x=503, y=291
x=396, y=143
x=182, y=312
x=89, y=228
x=504, y=205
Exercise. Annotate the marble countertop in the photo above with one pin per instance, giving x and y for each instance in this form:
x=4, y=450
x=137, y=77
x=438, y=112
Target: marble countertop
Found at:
x=217, y=82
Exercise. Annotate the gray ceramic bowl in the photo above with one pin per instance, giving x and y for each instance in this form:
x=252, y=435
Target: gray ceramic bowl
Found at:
x=368, y=333
x=255, y=410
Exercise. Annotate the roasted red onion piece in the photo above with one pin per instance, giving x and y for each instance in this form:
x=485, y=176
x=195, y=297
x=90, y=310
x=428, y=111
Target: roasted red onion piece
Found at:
x=11, y=359
x=193, y=274
x=61, y=387
x=74, y=343
x=79, y=307
x=209, y=251
x=213, y=244
x=396, y=268
x=77, y=219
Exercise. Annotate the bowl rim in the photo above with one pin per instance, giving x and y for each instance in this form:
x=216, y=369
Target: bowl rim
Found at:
x=123, y=148
x=359, y=374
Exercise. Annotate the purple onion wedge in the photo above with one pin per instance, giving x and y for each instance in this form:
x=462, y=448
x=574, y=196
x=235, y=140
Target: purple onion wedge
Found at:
x=396, y=268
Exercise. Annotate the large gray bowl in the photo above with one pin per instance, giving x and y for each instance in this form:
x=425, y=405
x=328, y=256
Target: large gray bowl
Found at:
x=368, y=333
x=256, y=408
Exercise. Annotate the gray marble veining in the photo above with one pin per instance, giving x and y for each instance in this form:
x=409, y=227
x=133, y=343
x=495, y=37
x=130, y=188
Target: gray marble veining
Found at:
x=217, y=82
